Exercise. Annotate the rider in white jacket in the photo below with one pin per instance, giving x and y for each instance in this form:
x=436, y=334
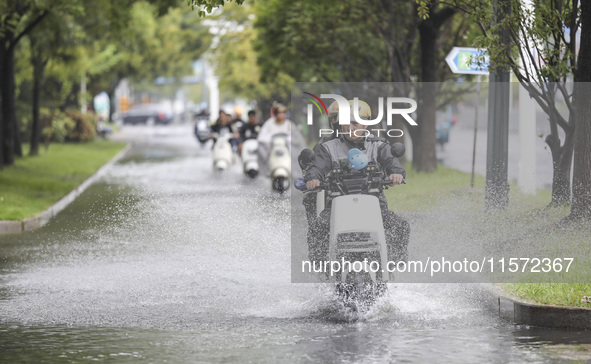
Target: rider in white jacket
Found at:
x=278, y=124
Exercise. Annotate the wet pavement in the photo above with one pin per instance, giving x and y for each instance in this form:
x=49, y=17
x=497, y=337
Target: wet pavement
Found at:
x=164, y=260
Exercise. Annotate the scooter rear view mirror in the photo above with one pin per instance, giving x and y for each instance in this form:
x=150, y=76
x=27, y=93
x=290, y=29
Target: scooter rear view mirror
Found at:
x=306, y=158
x=397, y=149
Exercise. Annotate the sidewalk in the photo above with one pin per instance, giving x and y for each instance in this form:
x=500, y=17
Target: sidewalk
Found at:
x=457, y=154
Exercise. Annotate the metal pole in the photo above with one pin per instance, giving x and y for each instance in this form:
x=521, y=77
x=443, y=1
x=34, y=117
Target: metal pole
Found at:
x=83, y=107
x=527, y=121
x=478, y=79
x=527, y=142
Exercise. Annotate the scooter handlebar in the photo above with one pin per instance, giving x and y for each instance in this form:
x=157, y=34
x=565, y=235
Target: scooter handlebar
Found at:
x=300, y=184
x=388, y=182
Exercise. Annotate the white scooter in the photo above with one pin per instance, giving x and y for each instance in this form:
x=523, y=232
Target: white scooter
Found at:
x=202, y=131
x=223, y=155
x=356, y=228
x=250, y=160
x=280, y=163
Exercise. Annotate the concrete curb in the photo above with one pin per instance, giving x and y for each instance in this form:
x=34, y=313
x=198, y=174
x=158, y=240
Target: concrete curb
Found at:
x=32, y=223
x=515, y=310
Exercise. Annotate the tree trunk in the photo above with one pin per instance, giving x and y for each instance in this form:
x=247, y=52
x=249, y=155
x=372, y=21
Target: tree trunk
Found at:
x=581, y=207
x=414, y=137
x=2, y=52
x=562, y=157
x=426, y=142
x=18, y=144
x=424, y=139
x=8, y=100
x=38, y=66
x=111, y=94
x=12, y=136
x=561, y=179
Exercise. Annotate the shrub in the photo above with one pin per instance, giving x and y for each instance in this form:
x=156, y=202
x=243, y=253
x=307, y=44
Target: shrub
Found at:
x=85, y=126
x=56, y=125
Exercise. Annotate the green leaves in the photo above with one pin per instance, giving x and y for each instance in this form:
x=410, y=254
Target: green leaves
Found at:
x=539, y=35
x=208, y=6
x=332, y=40
x=423, y=8
x=236, y=60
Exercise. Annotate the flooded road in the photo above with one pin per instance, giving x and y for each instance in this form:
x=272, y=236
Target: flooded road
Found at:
x=164, y=261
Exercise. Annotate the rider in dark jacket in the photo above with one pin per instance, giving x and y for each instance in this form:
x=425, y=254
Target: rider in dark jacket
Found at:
x=250, y=130
x=333, y=153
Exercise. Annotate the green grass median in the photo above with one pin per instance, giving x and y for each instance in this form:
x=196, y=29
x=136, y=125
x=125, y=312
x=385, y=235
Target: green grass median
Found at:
x=33, y=184
x=560, y=294
x=445, y=202
x=425, y=190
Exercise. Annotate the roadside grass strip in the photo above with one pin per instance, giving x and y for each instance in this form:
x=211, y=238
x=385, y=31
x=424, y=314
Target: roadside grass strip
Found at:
x=33, y=184
x=448, y=218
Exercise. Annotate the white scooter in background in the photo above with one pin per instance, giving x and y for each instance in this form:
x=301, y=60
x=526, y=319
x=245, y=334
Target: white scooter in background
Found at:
x=280, y=163
x=202, y=131
x=223, y=155
x=250, y=160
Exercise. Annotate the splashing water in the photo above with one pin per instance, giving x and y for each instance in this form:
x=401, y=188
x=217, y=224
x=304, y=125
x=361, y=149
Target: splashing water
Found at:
x=164, y=260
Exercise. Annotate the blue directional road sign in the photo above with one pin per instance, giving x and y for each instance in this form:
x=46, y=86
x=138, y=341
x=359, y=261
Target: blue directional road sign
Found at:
x=466, y=61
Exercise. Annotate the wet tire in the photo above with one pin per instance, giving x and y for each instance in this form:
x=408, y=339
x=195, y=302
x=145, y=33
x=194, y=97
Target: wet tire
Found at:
x=280, y=184
x=252, y=173
x=360, y=293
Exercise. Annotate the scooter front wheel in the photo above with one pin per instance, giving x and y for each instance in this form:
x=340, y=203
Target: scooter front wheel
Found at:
x=252, y=173
x=280, y=184
x=360, y=293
